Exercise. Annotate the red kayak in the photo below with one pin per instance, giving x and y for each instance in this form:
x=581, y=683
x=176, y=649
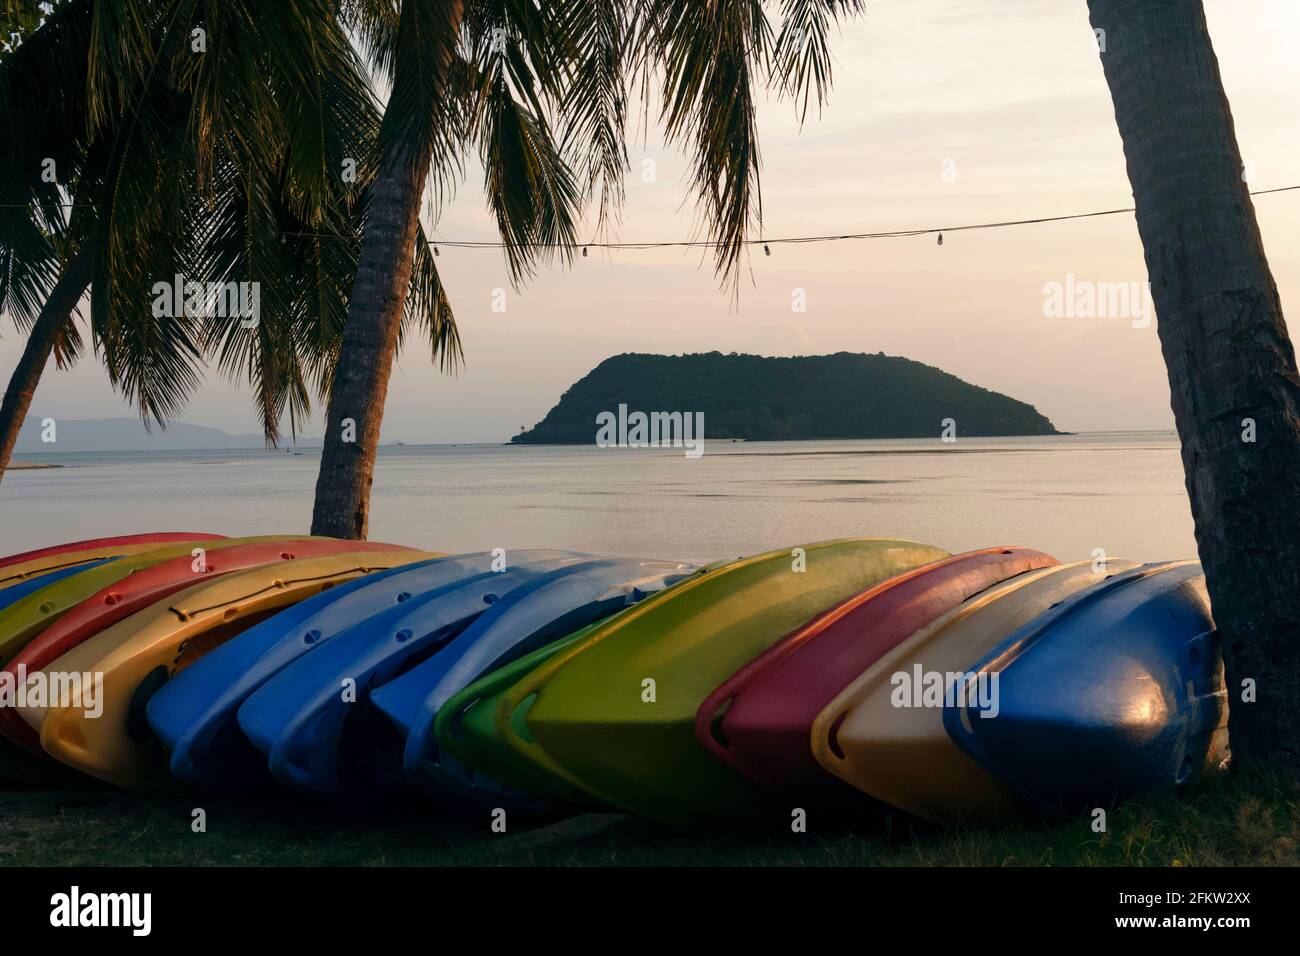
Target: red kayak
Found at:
x=144, y=587
x=764, y=733
x=159, y=537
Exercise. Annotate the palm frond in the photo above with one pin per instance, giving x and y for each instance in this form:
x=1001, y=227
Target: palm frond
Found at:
x=429, y=311
x=596, y=38
x=42, y=113
x=421, y=123
x=801, y=57
x=711, y=57
x=530, y=190
x=374, y=23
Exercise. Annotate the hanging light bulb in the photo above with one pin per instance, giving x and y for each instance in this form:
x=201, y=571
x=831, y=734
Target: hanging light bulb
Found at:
x=940, y=238
x=767, y=250
x=584, y=252
x=435, y=251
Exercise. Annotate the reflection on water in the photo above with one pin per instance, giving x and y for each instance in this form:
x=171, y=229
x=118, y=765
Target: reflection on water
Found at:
x=1063, y=494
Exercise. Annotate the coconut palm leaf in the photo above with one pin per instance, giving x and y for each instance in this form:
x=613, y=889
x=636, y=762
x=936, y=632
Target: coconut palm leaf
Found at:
x=40, y=156
x=596, y=39
x=801, y=56
x=711, y=58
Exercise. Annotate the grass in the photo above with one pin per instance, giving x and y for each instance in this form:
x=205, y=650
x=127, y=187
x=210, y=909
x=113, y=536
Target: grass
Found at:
x=1243, y=819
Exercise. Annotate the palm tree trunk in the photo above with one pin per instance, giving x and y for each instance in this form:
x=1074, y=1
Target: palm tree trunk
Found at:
x=369, y=342
x=1226, y=348
x=55, y=314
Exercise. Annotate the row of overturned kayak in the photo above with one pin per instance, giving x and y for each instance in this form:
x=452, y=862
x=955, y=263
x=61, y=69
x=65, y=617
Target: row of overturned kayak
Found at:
x=846, y=674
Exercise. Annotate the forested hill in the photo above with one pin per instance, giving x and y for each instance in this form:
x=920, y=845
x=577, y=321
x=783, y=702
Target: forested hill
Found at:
x=845, y=395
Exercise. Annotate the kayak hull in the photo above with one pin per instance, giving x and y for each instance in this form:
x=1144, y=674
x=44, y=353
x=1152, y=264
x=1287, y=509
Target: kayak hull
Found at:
x=139, y=653
x=23, y=620
x=875, y=738
x=1118, y=690
x=766, y=710
x=476, y=762
x=23, y=570
x=153, y=538
x=320, y=738
x=16, y=592
x=531, y=616
x=196, y=714
x=616, y=713
x=147, y=584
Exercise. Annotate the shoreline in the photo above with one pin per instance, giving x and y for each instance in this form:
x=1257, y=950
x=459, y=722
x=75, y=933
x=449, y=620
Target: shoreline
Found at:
x=31, y=466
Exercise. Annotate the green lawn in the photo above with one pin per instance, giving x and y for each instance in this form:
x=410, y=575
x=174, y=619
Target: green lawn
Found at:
x=1242, y=820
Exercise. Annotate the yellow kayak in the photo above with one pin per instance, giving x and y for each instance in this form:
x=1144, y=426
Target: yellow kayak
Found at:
x=24, y=619
x=108, y=736
x=876, y=737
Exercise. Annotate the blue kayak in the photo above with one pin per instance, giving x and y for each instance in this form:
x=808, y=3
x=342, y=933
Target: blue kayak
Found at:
x=16, y=592
x=194, y=714
x=529, y=617
x=314, y=721
x=1116, y=690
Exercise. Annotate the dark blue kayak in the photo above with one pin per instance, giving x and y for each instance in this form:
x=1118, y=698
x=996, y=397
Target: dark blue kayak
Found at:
x=314, y=720
x=1116, y=690
x=528, y=618
x=194, y=714
x=16, y=592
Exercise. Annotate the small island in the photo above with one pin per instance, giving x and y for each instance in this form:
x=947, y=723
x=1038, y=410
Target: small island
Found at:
x=756, y=398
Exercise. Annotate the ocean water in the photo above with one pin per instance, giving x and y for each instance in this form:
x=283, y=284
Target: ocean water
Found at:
x=1068, y=495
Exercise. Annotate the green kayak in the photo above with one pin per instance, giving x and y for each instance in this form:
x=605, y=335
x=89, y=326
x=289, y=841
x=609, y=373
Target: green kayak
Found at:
x=615, y=711
x=466, y=728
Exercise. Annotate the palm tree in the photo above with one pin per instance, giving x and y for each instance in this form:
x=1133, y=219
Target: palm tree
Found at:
x=223, y=166
x=1232, y=369
x=43, y=275
x=499, y=75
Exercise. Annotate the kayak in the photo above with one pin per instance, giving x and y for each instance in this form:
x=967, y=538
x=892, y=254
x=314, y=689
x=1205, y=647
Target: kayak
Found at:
x=154, y=538
x=145, y=585
x=108, y=737
x=758, y=722
x=617, y=712
x=478, y=765
x=24, y=570
x=532, y=615
x=20, y=590
x=28, y=617
x=902, y=755
x=317, y=736
x=195, y=714
x=1116, y=691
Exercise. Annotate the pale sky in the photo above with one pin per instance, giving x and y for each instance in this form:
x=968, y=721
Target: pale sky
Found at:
x=1010, y=91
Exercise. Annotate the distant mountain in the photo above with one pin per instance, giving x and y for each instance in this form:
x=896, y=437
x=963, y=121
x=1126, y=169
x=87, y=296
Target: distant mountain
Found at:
x=129, y=434
x=845, y=395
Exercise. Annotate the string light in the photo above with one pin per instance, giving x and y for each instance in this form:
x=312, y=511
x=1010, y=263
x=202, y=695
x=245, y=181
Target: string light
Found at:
x=767, y=243
x=713, y=244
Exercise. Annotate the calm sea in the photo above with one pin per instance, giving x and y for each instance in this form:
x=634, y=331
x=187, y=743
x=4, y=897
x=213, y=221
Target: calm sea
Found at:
x=1067, y=495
